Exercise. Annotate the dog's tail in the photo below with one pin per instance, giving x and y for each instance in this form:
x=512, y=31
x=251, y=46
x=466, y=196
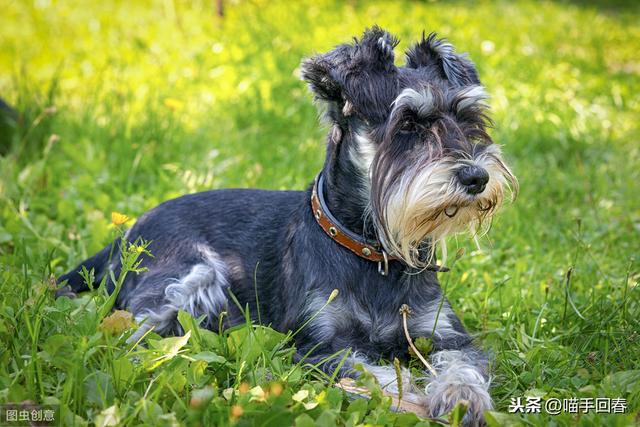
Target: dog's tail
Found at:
x=99, y=263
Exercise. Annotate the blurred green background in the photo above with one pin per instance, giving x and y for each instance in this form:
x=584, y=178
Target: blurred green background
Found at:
x=123, y=104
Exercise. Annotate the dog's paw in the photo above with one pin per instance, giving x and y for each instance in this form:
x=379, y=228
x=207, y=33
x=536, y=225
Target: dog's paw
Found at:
x=442, y=397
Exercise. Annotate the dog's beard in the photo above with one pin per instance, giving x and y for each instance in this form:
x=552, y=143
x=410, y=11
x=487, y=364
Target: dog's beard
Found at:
x=425, y=203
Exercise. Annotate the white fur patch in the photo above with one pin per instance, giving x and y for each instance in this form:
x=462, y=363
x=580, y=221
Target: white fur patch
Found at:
x=201, y=291
x=422, y=102
x=472, y=97
x=443, y=48
x=362, y=154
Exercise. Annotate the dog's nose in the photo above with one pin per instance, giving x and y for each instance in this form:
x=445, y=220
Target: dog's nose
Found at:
x=474, y=178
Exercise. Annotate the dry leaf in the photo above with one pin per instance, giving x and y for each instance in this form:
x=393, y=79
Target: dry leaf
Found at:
x=118, y=322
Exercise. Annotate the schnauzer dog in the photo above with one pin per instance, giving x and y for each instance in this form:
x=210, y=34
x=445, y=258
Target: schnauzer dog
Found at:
x=408, y=162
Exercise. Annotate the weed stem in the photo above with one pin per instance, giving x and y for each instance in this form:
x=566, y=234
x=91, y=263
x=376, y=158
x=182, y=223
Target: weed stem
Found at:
x=405, y=311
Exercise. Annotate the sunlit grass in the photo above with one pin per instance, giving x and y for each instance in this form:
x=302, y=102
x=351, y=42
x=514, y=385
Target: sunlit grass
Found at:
x=126, y=104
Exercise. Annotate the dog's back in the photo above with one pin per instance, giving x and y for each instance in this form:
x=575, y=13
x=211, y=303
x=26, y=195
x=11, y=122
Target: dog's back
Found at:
x=217, y=235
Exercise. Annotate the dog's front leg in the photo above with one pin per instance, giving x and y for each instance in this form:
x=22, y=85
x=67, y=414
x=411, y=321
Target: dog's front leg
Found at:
x=461, y=369
x=460, y=376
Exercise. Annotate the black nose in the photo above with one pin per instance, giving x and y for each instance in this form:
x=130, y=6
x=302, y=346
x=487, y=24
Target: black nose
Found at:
x=474, y=179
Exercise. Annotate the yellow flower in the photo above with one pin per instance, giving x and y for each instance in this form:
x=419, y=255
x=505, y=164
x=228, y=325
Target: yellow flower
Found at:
x=118, y=219
x=173, y=104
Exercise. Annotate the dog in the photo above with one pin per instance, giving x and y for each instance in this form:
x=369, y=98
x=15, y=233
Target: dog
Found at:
x=408, y=162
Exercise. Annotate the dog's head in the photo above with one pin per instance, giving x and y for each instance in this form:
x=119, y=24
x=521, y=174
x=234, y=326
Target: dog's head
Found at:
x=414, y=136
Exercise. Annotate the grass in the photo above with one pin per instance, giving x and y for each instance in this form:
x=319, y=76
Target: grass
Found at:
x=126, y=104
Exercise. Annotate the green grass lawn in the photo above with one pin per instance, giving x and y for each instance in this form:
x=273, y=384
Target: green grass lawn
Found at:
x=126, y=104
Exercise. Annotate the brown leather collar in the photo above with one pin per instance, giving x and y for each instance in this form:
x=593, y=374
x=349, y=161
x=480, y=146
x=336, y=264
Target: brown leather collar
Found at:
x=367, y=249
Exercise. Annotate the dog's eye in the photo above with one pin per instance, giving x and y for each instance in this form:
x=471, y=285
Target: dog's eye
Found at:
x=408, y=126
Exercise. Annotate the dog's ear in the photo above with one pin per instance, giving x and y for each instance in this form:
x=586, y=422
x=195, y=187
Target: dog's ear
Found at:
x=355, y=78
x=317, y=72
x=456, y=68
